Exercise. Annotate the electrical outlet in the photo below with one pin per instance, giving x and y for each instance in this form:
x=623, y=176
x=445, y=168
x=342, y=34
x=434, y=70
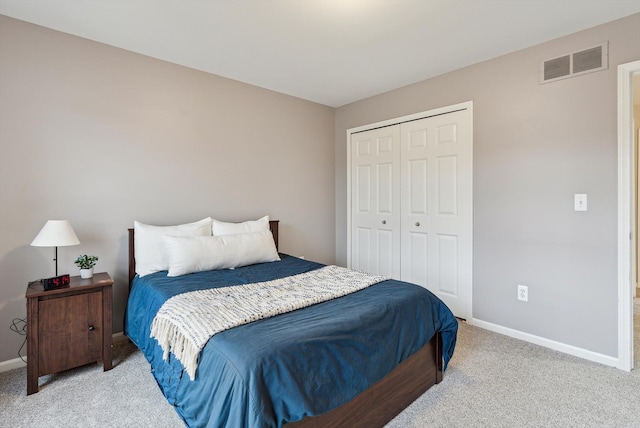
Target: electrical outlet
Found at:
x=523, y=293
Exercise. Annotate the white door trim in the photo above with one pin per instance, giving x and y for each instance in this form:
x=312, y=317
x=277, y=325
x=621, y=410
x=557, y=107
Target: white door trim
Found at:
x=625, y=213
x=468, y=105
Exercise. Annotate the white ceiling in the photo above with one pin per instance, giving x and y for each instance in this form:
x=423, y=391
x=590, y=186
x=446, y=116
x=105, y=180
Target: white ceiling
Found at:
x=329, y=51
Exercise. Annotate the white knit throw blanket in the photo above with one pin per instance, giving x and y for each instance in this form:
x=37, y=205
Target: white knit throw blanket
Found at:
x=186, y=322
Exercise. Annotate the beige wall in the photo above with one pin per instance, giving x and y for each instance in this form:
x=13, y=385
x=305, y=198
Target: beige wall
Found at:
x=102, y=137
x=535, y=146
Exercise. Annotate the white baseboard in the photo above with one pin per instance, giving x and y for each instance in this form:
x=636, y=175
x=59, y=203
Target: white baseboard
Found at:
x=17, y=363
x=547, y=343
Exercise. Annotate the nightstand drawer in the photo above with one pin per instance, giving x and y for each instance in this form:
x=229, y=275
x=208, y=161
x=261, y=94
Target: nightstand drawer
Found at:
x=70, y=332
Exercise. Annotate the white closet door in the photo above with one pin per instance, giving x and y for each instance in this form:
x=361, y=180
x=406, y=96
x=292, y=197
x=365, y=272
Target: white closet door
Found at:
x=436, y=242
x=375, y=207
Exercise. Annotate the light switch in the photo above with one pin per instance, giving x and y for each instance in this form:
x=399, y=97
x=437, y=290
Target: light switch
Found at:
x=580, y=202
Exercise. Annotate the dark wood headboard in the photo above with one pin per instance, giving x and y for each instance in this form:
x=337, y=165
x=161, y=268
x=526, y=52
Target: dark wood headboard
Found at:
x=273, y=225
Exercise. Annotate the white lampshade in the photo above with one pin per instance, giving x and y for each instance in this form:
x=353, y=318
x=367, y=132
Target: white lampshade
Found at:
x=56, y=233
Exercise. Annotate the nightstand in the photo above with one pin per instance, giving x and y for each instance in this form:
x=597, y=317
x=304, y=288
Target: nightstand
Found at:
x=68, y=327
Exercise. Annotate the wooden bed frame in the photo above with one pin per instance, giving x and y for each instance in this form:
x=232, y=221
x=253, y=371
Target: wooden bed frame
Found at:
x=381, y=402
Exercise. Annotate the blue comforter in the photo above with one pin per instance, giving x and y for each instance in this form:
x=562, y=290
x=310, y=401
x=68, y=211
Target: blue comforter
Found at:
x=297, y=364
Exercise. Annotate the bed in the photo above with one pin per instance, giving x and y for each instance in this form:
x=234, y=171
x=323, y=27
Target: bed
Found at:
x=357, y=360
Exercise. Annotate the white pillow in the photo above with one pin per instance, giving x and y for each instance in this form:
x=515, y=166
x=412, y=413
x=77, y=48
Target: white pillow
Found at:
x=202, y=253
x=150, y=252
x=221, y=228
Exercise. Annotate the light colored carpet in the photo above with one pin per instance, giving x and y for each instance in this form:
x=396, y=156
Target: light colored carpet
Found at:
x=497, y=381
x=125, y=396
x=492, y=381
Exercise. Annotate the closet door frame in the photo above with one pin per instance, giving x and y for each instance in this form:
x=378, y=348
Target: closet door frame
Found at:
x=390, y=122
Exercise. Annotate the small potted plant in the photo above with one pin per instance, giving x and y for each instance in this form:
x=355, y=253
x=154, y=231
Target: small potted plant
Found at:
x=86, y=264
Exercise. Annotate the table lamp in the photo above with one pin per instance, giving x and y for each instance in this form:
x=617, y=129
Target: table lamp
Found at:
x=56, y=233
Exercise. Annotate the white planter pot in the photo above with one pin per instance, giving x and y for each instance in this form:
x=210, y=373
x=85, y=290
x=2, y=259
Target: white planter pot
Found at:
x=86, y=273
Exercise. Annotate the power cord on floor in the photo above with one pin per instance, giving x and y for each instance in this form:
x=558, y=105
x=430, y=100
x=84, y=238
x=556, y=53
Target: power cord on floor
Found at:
x=19, y=325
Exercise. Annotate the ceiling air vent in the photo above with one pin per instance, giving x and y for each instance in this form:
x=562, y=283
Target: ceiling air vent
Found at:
x=575, y=63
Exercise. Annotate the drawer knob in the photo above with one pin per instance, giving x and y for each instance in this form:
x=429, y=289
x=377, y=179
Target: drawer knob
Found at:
x=417, y=224
x=91, y=328
x=384, y=221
